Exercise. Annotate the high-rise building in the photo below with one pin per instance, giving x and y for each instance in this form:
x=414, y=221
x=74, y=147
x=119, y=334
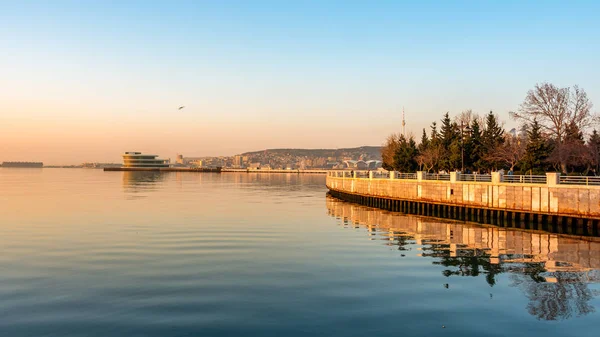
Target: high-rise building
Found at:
x=238, y=161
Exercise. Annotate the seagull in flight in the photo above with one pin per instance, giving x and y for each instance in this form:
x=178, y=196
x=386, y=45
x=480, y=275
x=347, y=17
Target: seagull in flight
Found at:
x=181, y=107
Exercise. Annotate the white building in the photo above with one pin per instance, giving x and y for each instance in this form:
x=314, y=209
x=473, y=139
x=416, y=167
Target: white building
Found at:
x=137, y=159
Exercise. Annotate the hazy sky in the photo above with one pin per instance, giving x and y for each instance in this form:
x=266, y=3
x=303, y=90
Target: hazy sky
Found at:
x=88, y=80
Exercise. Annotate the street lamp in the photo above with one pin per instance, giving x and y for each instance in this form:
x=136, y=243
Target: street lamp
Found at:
x=463, y=129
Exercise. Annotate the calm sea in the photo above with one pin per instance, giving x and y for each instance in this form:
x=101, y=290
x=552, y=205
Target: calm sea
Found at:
x=93, y=253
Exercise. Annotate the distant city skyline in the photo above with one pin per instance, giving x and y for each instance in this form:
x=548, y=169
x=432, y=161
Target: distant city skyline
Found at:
x=85, y=82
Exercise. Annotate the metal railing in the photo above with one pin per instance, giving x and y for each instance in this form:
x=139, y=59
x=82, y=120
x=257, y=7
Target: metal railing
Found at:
x=579, y=180
x=484, y=178
x=437, y=176
x=524, y=179
x=340, y=174
x=381, y=175
x=410, y=176
x=475, y=177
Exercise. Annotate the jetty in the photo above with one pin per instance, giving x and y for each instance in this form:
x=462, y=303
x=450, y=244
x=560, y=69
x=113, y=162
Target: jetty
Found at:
x=163, y=169
x=250, y=170
x=550, y=202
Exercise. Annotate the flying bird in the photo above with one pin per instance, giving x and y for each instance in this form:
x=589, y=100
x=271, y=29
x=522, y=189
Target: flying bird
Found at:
x=181, y=107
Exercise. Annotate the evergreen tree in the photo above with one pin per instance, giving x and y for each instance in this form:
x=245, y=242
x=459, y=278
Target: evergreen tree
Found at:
x=434, y=134
x=455, y=153
x=594, y=151
x=450, y=142
x=537, y=151
x=575, y=155
x=424, y=141
x=475, y=154
x=448, y=131
x=573, y=134
x=492, y=137
x=405, y=158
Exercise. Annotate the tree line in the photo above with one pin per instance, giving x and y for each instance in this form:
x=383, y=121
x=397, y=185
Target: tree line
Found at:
x=556, y=133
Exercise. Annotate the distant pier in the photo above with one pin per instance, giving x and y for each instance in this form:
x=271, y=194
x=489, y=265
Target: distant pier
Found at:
x=212, y=170
x=163, y=169
x=249, y=170
x=20, y=164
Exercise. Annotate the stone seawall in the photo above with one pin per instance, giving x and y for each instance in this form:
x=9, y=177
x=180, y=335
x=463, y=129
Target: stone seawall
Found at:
x=579, y=201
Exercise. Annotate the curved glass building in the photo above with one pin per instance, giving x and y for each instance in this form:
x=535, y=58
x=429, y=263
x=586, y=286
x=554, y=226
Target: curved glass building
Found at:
x=137, y=159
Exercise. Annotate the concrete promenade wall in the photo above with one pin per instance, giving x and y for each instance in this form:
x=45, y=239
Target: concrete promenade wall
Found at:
x=550, y=198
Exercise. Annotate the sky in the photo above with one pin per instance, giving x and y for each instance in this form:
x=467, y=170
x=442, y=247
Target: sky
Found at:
x=85, y=81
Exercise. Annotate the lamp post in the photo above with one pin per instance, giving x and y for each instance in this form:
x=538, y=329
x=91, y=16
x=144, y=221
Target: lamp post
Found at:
x=463, y=129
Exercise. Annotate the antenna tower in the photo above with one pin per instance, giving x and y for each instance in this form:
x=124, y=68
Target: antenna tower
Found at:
x=403, y=124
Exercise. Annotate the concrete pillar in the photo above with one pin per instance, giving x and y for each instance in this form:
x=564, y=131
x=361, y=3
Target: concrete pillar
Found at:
x=552, y=178
x=392, y=174
x=371, y=174
x=497, y=177
x=454, y=177
x=355, y=174
x=421, y=175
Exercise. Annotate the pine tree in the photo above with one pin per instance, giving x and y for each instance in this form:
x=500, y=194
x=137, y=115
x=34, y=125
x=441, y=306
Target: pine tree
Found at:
x=537, y=151
x=405, y=158
x=450, y=142
x=448, y=131
x=492, y=137
x=573, y=134
x=424, y=141
x=594, y=150
x=475, y=153
x=434, y=134
x=455, y=154
x=575, y=154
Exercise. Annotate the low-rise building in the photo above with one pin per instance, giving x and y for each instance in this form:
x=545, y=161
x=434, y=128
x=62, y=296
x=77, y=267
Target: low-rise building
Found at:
x=137, y=159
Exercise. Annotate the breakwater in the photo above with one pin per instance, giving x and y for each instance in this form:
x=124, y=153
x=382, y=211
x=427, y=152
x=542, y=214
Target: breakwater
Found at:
x=249, y=170
x=162, y=169
x=549, y=202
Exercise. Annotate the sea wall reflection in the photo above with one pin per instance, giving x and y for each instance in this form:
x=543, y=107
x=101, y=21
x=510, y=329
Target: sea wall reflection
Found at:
x=553, y=271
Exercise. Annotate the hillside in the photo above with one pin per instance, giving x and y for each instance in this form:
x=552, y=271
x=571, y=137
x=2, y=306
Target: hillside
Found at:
x=364, y=152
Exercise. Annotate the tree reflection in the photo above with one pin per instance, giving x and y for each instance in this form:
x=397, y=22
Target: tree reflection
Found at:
x=555, y=280
x=566, y=296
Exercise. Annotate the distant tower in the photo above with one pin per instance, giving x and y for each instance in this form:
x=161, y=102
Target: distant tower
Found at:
x=403, y=124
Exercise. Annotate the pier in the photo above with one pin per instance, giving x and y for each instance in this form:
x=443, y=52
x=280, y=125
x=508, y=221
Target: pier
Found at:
x=249, y=170
x=162, y=169
x=551, y=202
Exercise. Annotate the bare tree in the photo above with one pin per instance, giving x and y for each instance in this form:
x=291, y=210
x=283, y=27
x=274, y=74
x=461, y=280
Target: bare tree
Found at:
x=429, y=158
x=576, y=155
x=510, y=152
x=555, y=108
x=467, y=117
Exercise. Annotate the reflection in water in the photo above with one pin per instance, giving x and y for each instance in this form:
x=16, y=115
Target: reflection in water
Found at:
x=552, y=271
x=135, y=182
